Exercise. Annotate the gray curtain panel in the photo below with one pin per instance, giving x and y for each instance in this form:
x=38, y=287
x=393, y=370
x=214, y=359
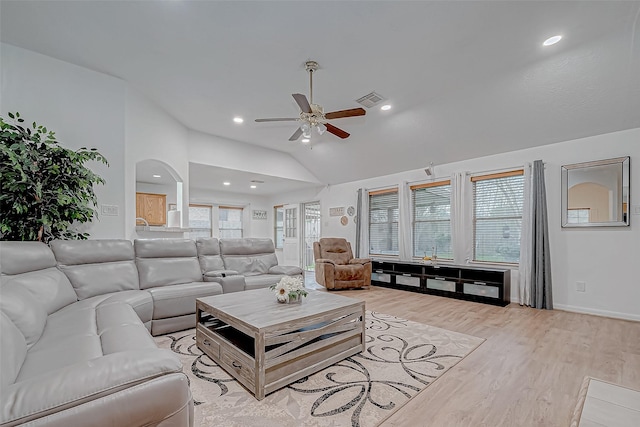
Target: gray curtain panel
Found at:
x=359, y=216
x=541, y=295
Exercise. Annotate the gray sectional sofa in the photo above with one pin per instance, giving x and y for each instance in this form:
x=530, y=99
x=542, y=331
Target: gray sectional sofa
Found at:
x=75, y=321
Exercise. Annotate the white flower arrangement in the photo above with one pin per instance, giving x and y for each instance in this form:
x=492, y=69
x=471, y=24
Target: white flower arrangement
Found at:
x=289, y=288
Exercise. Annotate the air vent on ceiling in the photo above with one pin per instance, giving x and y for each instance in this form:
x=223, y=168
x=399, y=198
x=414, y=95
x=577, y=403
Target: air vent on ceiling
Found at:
x=370, y=100
x=257, y=181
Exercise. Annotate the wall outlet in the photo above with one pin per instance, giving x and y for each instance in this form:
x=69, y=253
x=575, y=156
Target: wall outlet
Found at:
x=109, y=210
x=581, y=286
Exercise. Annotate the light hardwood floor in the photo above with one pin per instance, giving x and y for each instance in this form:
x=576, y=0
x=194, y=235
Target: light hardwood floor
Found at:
x=529, y=370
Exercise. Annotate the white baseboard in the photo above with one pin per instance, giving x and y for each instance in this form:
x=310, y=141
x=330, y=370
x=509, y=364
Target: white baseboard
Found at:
x=597, y=312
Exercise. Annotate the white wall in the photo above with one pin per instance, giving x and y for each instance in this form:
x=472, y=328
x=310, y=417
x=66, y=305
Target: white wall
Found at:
x=251, y=227
x=83, y=107
x=152, y=134
x=216, y=151
x=602, y=257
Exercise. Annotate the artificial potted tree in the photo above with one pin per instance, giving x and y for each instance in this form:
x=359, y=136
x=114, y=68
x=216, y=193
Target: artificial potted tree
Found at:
x=46, y=191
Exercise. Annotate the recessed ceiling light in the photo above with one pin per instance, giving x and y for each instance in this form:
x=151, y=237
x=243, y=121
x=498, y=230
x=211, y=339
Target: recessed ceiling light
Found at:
x=226, y=183
x=254, y=186
x=305, y=140
x=385, y=107
x=552, y=40
x=238, y=119
x=157, y=176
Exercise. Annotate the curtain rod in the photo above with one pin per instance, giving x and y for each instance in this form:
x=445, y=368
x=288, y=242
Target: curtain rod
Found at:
x=436, y=179
x=384, y=187
x=527, y=164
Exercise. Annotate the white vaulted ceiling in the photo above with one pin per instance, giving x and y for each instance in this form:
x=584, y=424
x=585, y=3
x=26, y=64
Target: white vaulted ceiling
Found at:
x=465, y=79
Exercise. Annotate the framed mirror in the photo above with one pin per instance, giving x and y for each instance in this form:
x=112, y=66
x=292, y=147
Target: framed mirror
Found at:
x=596, y=194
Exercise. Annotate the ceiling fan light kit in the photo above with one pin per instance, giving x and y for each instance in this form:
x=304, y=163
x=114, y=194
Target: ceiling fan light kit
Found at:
x=312, y=115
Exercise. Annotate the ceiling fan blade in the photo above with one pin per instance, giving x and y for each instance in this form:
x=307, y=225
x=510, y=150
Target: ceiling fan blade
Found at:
x=336, y=131
x=296, y=135
x=302, y=102
x=345, y=113
x=278, y=119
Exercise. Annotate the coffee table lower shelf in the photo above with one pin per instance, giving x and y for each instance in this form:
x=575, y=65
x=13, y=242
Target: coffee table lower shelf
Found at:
x=266, y=360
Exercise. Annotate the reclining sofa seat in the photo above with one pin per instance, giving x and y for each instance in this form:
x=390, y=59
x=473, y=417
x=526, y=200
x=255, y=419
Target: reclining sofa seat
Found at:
x=169, y=270
x=103, y=270
x=212, y=266
x=242, y=264
x=90, y=362
x=336, y=268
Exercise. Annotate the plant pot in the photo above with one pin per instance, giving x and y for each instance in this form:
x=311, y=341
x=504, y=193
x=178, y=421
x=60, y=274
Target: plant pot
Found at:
x=292, y=300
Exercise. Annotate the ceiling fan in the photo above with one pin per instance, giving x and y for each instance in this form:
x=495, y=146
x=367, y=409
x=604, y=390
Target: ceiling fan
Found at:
x=312, y=116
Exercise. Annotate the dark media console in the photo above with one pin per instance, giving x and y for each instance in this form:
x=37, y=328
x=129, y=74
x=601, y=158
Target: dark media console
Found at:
x=485, y=285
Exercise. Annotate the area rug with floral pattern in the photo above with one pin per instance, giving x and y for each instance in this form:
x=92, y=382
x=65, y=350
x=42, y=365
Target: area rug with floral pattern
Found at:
x=402, y=358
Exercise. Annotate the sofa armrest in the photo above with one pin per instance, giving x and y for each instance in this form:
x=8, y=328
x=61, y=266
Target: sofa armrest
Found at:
x=221, y=273
x=360, y=261
x=325, y=261
x=84, y=382
x=289, y=270
x=232, y=283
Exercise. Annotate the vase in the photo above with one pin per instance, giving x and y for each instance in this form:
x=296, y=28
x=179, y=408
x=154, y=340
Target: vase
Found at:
x=292, y=300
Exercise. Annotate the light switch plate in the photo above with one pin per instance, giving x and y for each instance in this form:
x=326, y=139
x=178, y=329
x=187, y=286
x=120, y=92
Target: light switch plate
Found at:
x=636, y=210
x=109, y=210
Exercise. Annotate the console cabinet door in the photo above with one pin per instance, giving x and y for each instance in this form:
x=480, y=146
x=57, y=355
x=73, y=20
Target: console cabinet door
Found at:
x=152, y=207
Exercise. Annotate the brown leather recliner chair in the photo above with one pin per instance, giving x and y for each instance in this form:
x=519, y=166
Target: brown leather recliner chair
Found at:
x=336, y=268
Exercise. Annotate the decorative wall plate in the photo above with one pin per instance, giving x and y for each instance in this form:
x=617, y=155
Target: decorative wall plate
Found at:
x=351, y=210
x=344, y=220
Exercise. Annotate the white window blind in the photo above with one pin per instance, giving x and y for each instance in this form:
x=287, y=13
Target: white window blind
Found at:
x=230, y=222
x=431, y=206
x=578, y=215
x=497, y=216
x=278, y=226
x=383, y=222
x=199, y=221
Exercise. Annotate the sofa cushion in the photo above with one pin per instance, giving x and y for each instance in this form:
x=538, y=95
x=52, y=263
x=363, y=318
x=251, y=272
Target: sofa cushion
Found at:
x=336, y=249
x=349, y=272
x=262, y=281
x=33, y=266
x=13, y=350
x=21, y=257
x=140, y=301
x=49, y=286
x=164, y=262
x=86, y=381
x=97, y=267
x=24, y=310
x=59, y=354
x=179, y=300
x=287, y=270
x=120, y=329
x=209, y=254
x=248, y=256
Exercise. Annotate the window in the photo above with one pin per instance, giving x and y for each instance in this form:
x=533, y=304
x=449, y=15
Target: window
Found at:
x=497, y=216
x=199, y=221
x=578, y=215
x=230, y=222
x=278, y=226
x=432, y=219
x=290, y=222
x=383, y=222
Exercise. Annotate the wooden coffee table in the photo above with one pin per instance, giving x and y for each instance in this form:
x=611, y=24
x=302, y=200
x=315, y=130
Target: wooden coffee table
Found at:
x=266, y=345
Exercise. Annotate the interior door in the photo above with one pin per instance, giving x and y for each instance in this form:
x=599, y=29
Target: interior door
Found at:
x=310, y=233
x=291, y=246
